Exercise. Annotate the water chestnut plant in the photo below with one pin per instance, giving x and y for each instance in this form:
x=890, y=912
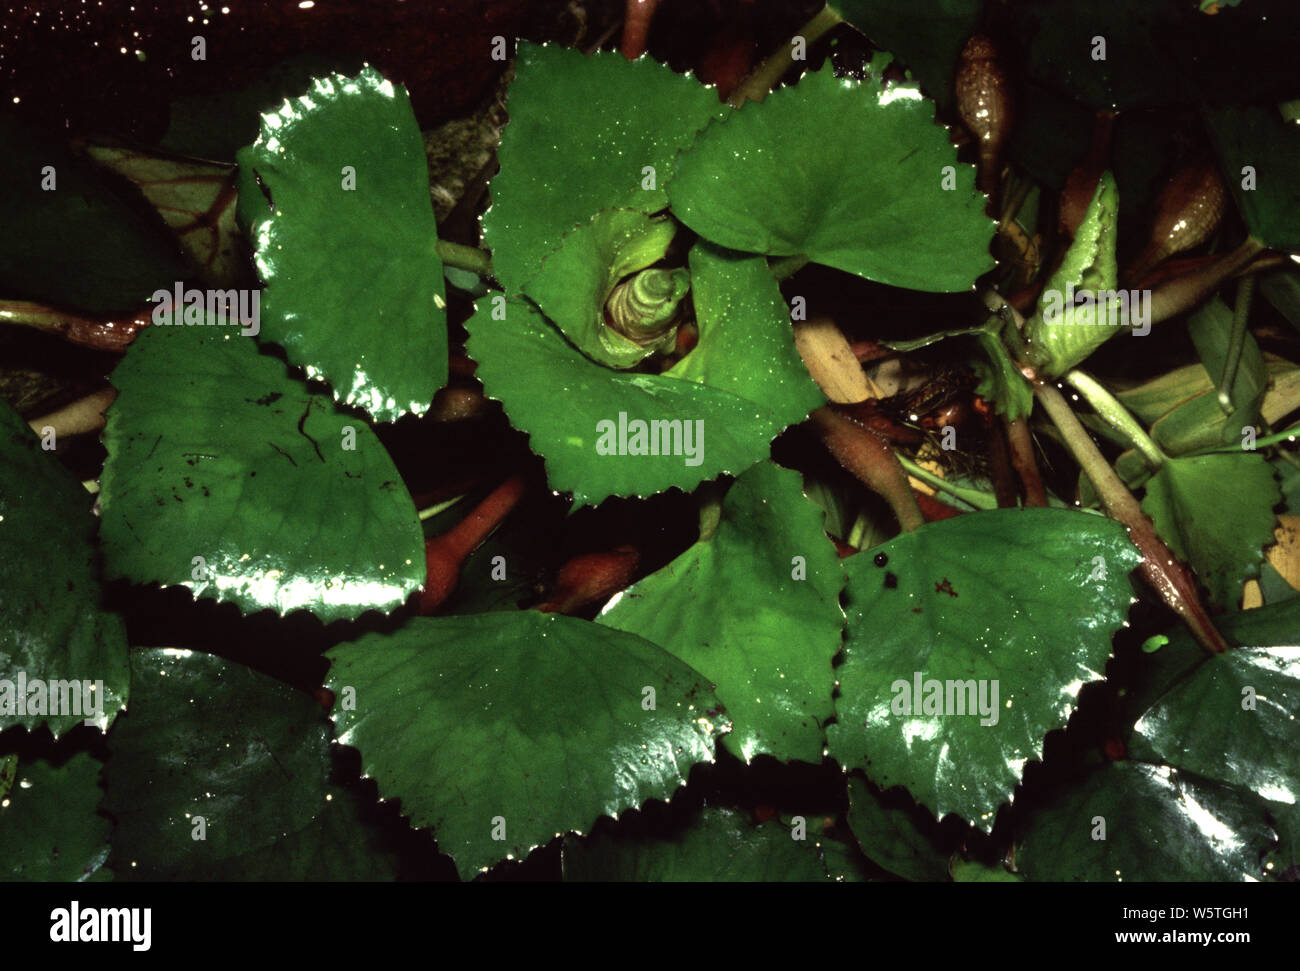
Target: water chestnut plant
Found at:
x=869, y=460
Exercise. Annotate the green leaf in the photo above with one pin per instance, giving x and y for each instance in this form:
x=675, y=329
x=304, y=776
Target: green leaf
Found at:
x=746, y=345
x=354, y=288
x=754, y=608
x=52, y=630
x=1233, y=721
x=971, y=871
x=1284, y=862
x=49, y=828
x=738, y=389
x=1258, y=137
x=867, y=197
x=1160, y=825
x=583, y=130
x=927, y=36
x=522, y=724
x=1222, y=541
x=1135, y=68
x=576, y=280
x=1015, y=601
x=76, y=243
x=720, y=845
x=891, y=836
x=1062, y=332
x=215, y=452
x=212, y=739
x=1000, y=380
x=339, y=845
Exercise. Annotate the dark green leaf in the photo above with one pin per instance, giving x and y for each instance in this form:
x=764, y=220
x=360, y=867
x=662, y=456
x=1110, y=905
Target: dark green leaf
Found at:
x=215, y=452
x=208, y=739
x=927, y=36
x=1160, y=825
x=502, y=731
x=52, y=630
x=721, y=845
x=891, y=835
x=49, y=829
x=77, y=244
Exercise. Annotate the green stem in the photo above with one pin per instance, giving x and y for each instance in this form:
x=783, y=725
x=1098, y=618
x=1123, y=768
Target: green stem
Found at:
x=439, y=507
x=1245, y=290
x=788, y=266
x=766, y=75
x=1167, y=575
x=1117, y=416
x=978, y=499
x=1288, y=435
x=465, y=257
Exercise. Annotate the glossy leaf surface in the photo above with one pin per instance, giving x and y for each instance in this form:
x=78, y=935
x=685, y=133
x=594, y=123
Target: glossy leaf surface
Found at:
x=844, y=172
x=1160, y=825
x=347, y=244
x=521, y=724
x=1009, y=599
x=215, y=452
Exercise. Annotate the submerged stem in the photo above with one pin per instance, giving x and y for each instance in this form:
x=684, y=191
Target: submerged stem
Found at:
x=766, y=75
x=462, y=257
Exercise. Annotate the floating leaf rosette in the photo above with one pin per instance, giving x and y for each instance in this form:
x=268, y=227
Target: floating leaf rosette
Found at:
x=605, y=432
x=344, y=169
x=598, y=288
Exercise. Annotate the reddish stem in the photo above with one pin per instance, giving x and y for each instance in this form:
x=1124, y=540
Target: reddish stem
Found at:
x=1004, y=486
x=872, y=461
x=591, y=577
x=933, y=509
x=636, y=26
x=445, y=554
x=1022, y=457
